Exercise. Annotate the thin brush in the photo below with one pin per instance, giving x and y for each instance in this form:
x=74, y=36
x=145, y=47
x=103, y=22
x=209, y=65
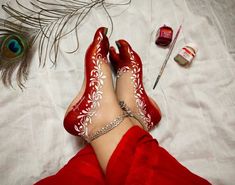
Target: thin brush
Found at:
x=167, y=58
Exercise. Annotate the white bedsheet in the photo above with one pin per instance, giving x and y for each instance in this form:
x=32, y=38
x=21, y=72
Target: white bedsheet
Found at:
x=197, y=103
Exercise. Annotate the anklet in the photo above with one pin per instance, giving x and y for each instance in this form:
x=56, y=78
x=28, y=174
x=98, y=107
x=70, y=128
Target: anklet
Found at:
x=125, y=108
x=107, y=127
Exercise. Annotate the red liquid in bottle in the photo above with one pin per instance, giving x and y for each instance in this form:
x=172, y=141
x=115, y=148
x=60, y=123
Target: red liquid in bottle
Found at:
x=164, y=36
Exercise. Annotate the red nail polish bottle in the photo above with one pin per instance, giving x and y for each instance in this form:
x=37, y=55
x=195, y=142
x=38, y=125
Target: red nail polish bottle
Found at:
x=164, y=36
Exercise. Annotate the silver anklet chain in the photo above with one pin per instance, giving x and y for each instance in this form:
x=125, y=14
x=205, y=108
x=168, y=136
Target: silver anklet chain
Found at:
x=107, y=127
x=127, y=113
x=125, y=108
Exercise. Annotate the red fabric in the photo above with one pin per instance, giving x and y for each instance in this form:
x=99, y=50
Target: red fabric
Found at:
x=82, y=169
x=137, y=160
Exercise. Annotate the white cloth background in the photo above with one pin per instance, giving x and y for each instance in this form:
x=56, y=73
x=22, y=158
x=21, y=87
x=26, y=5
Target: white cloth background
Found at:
x=197, y=103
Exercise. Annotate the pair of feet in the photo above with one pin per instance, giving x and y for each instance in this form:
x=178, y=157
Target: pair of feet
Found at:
x=98, y=103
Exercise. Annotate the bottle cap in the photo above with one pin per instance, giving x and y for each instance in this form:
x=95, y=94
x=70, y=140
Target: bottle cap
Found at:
x=194, y=46
x=166, y=24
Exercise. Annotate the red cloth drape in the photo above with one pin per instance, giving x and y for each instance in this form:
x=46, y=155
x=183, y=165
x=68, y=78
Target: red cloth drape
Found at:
x=82, y=169
x=137, y=160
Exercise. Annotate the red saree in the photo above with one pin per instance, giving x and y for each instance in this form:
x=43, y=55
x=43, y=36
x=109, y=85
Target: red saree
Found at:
x=137, y=160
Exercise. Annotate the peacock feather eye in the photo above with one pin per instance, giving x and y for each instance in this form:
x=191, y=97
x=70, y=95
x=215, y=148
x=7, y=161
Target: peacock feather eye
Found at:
x=13, y=47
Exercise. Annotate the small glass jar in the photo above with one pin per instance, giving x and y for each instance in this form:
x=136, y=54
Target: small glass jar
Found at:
x=164, y=36
x=186, y=55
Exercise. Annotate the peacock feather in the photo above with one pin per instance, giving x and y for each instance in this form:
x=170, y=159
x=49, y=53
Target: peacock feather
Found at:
x=44, y=23
x=15, y=43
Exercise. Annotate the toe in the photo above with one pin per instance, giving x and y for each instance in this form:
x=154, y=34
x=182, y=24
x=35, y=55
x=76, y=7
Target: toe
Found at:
x=127, y=54
x=114, y=58
x=101, y=41
x=100, y=33
x=125, y=50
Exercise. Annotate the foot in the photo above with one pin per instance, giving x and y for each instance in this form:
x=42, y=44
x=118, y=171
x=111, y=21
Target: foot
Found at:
x=85, y=115
x=129, y=85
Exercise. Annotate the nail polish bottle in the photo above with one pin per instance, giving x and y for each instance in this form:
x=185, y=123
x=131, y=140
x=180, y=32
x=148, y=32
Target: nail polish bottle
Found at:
x=164, y=35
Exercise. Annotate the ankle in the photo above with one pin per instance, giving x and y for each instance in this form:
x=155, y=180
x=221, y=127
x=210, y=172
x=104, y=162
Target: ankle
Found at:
x=105, y=115
x=108, y=127
x=119, y=131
